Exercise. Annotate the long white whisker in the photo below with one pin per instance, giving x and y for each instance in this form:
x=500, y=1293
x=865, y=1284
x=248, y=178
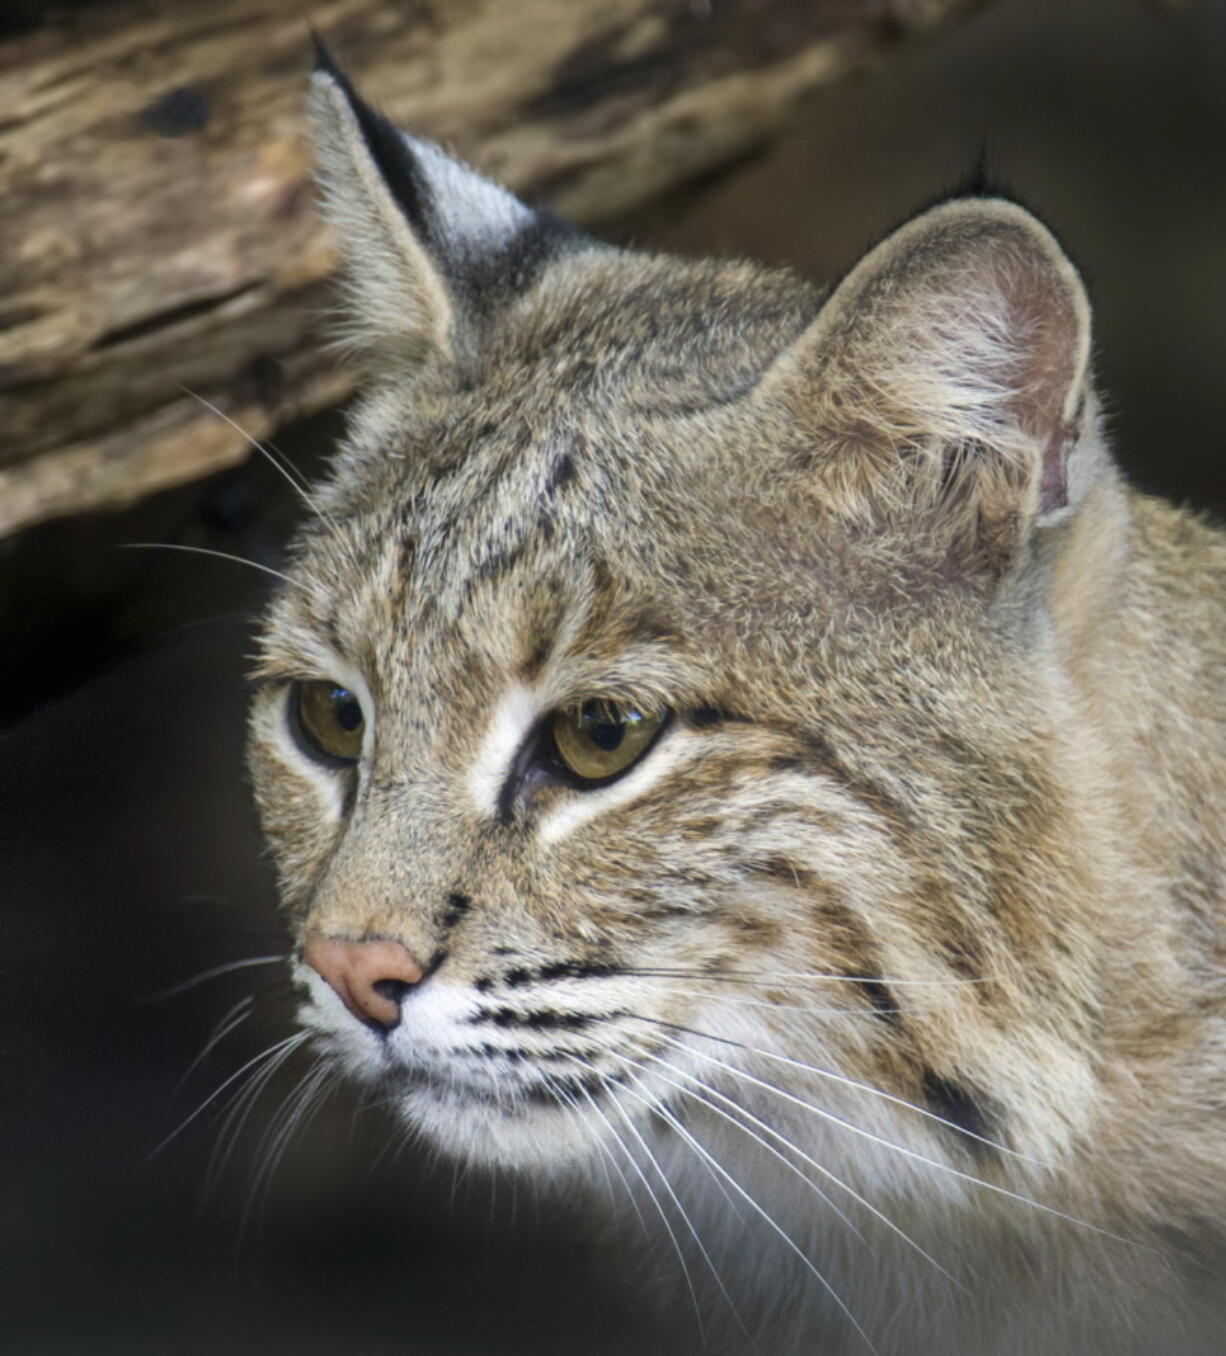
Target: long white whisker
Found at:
x=607, y=1159
x=819, y=1167
x=719, y=1185
x=908, y=1153
x=212, y=973
x=280, y=1115
x=231, y=1128
x=296, y=481
x=655, y=1200
x=207, y=551
x=843, y=1079
x=668, y=1186
x=646, y=1100
x=736, y=1000
x=233, y=1018
x=662, y=1110
x=289, y=1043
x=808, y=1181
x=297, y=1111
x=808, y=976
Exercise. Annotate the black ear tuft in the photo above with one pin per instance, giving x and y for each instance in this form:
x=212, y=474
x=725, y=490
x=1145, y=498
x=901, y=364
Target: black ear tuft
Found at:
x=981, y=179
x=388, y=148
x=324, y=61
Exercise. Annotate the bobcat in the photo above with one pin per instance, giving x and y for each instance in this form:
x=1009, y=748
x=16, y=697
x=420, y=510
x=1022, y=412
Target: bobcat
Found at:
x=750, y=744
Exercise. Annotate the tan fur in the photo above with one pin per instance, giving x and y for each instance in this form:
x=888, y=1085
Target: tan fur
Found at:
x=940, y=809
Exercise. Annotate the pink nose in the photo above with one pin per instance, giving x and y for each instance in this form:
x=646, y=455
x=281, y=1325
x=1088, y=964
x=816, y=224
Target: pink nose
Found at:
x=370, y=978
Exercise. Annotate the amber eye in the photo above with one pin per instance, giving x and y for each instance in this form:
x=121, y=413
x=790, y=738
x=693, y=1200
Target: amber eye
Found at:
x=598, y=741
x=330, y=719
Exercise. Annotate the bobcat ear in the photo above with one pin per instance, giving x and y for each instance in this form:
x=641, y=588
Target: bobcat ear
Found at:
x=946, y=378
x=429, y=246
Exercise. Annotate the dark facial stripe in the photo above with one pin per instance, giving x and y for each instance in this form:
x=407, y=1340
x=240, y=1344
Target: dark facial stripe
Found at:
x=558, y=1089
x=571, y=969
x=880, y=997
x=866, y=789
x=517, y=1054
x=965, y=1112
x=540, y=1019
x=457, y=906
x=561, y=473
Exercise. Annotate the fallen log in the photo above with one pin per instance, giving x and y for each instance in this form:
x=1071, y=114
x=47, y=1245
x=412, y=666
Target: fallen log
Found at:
x=157, y=230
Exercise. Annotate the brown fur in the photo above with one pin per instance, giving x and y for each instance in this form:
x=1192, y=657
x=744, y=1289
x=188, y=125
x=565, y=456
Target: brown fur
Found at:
x=948, y=761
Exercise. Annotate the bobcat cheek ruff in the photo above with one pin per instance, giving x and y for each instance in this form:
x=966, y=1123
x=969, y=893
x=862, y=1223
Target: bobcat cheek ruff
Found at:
x=756, y=748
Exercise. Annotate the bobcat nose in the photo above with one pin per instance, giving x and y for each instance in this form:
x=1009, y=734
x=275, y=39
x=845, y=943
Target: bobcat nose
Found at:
x=370, y=978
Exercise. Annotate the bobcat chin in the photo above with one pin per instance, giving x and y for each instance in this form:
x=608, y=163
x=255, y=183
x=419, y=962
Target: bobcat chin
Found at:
x=749, y=743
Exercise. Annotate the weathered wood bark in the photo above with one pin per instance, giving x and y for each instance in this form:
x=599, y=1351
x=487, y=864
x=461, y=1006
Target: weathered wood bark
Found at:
x=156, y=224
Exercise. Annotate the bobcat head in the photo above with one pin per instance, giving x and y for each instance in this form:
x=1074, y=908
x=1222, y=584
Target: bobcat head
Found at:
x=677, y=733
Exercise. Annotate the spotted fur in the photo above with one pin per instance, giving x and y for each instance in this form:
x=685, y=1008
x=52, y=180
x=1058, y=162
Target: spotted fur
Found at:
x=911, y=919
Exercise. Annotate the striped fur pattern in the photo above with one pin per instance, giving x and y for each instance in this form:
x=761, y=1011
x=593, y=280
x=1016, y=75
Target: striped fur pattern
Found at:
x=893, y=971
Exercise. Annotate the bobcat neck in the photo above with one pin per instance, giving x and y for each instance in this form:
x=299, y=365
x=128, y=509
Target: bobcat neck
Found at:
x=1140, y=619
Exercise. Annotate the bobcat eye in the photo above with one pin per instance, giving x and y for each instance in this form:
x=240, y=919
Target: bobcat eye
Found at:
x=598, y=741
x=329, y=720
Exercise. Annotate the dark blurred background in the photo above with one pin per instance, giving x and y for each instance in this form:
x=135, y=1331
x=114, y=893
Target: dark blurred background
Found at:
x=129, y=858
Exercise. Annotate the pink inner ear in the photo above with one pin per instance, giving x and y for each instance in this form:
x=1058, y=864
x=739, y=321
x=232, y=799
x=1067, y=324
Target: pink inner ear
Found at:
x=1046, y=326
x=1053, y=485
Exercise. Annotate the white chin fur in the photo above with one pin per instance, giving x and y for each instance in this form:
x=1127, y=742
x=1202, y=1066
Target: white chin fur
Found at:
x=540, y=1140
x=493, y=1126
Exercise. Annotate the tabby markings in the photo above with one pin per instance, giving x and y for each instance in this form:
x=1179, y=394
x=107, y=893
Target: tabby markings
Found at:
x=966, y=1115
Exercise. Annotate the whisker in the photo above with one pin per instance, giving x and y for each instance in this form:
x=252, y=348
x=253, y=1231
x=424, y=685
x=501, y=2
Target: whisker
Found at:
x=706, y=1256
x=297, y=1111
x=237, y=1113
x=289, y=1043
x=668, y=1187
x=655, y=1200
x=213, y=973
x=207, y=551
x=844, y=1080
x=663, y=1112
x=898, y=1148
x=689, y=1092
x=819, y=1167
x=775, y=977
x=280, y=1116
x=606, y=1159
x=275, y=457
x=737, y=1001
x=169, y=632
x=234, y=1017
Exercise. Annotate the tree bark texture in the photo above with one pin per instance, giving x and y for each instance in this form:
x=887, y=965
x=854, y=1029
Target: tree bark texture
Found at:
x=157, y=228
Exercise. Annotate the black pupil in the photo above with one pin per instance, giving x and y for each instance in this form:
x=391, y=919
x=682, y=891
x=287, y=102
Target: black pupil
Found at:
x=605, y=732
x=346, y=709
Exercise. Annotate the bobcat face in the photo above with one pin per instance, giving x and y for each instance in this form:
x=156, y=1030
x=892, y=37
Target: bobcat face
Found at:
x=667, y=732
